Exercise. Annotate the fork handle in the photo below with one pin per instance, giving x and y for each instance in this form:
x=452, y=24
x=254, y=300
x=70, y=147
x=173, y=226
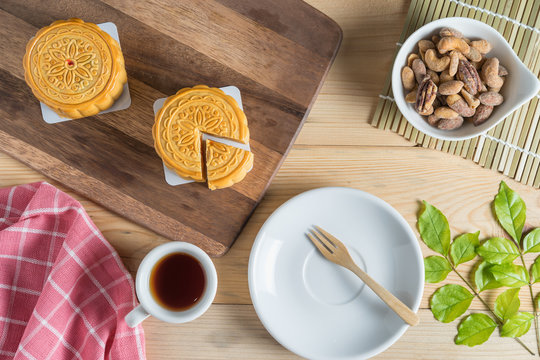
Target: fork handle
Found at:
x=393, y=302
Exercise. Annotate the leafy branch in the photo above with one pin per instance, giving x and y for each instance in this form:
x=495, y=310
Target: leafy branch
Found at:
x=496, y=270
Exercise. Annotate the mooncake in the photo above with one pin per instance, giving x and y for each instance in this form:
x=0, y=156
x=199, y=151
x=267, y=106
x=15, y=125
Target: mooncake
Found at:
x=74, y=68
x=182, y=120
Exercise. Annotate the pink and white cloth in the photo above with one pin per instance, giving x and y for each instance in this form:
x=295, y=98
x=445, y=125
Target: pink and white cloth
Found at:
x=64, y=291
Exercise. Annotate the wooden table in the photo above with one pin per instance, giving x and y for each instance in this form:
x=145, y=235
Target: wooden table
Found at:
x=337, y=147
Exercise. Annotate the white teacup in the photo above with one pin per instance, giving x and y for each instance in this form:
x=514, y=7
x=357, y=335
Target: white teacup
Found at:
x=149, y=305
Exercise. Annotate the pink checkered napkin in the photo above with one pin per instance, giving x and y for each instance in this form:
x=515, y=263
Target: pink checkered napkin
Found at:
x=64, y=291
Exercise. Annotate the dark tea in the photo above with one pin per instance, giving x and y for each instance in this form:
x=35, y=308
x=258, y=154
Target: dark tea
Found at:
x=177, y=281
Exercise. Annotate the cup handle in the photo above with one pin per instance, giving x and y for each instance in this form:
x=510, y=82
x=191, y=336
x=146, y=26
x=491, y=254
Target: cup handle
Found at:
x=136, y=316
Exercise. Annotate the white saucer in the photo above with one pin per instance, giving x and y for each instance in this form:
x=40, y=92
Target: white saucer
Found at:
x=317, y=309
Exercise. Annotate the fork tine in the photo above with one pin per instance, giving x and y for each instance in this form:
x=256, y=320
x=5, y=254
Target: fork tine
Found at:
x=322, y=249
x=328, y=244
x=331, y=238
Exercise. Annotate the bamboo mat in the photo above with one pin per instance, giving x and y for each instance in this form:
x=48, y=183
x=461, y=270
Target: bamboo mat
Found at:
x=513, y=146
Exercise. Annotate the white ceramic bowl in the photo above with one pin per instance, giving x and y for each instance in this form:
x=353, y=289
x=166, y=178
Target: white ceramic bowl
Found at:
x=520, y=85
x=318, y=309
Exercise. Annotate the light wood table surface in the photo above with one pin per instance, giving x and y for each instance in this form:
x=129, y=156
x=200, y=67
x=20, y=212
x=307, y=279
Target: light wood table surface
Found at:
x=336, y=147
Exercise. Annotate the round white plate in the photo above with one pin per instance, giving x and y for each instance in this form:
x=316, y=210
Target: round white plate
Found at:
x=317, y=309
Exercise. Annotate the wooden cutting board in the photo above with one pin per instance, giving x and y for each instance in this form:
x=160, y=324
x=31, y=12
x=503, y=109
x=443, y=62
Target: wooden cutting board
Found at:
x=276, y=52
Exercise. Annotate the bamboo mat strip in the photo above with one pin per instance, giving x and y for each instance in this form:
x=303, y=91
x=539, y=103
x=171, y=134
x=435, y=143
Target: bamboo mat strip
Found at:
x=513, y=146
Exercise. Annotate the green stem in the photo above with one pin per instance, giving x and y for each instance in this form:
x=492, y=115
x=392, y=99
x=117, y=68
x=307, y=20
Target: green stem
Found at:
x=535, y=308
x=499, y=320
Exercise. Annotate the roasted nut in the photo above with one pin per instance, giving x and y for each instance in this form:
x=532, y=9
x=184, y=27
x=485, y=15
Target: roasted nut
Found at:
x=435, y=63
x=483, y=88
x=452, y=43
x=482, y=114
x=433, y=76
x=411, y=58
x=432, y=120
x=450, y=87
x=427, y=91
x=441, y=99
x=445, y=76
x=444, y=112
x=473, y=55
x=454, y=62
x=483, y=46
x=478, y=64
x=471, y=100
x=456, y=103
x=411, y=96
x=427, y=111
x=435, y=39
x=419, y=69
x=495, y=90
x=467, y=40
x=424, y=45
x=407, y=77
x=491, y=98
x=502, y=70
x=490, y=73
x=450, y=32
x=468, y=74
x=450, y=124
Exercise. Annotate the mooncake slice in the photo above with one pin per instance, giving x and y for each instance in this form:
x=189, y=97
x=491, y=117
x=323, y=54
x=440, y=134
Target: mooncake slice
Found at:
x=74, y=68
x=226, y=165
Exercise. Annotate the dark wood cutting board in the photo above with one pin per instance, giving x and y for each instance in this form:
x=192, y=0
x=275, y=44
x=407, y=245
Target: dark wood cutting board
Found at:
x=277, y=52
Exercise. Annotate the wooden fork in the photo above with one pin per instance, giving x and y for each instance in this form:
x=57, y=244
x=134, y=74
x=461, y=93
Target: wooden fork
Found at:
x=335, y=251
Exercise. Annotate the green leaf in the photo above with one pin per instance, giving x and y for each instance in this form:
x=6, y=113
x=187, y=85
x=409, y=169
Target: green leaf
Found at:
x=531, y=242
x=484, y=279
x=475, y=330
x=436, y=268
x=510, y=275
x=517, y=325
x=434, y=229
x=535, y=271
x=463, y=248
x=498, y=251
x=507, y=304
x=510, y=210
x=450, y=302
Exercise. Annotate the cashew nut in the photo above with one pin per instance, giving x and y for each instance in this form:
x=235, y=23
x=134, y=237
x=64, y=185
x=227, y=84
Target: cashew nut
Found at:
x=490, y=73
x=407, y=77
x=411, y=58
x=452, y=43
x=456, y=103
x=411, y=97
x=445, y=76
x=454, y=62
x=450, y=32
x=444, y=112
x=435, y=63
x=471, y=100
x=473, y=54
x=424, y=45
x=483, y=46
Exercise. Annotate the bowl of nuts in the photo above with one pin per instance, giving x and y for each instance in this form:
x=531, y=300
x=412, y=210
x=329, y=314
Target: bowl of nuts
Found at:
x=456, y=78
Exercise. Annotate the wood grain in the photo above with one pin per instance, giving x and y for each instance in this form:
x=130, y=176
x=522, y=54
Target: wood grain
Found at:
x=336, y=147
x=212, y=44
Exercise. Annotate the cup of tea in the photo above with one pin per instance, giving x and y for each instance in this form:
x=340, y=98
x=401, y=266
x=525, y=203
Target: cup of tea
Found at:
x=176, y=282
